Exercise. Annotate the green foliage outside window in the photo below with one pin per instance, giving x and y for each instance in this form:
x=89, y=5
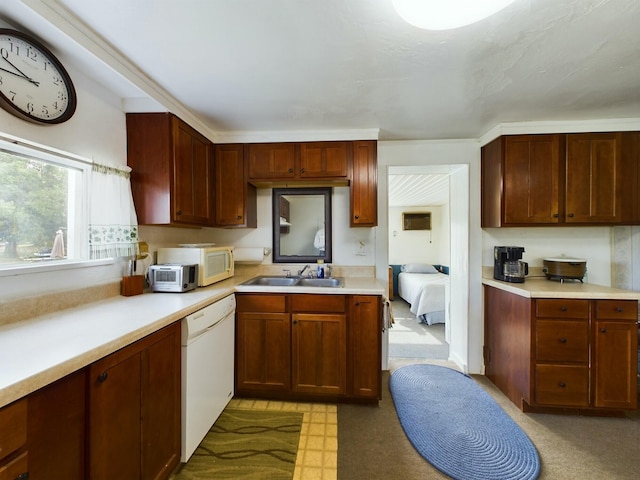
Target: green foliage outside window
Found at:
x=33, y=206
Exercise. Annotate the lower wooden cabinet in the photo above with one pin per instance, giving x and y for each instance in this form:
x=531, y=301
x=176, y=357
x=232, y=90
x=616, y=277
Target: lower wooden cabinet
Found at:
x=134, y=409
x=307, y=346
x=117, y=418
x=568, y=354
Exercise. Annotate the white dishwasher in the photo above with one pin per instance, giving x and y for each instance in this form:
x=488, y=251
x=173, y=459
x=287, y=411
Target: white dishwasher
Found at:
x=208, y=337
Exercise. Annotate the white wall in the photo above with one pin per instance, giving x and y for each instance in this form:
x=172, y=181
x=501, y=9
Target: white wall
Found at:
x=97, y=131
x=590, y=243
x=424, y=246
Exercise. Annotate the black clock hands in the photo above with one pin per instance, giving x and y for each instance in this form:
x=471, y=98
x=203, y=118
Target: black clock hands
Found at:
x=19, y=74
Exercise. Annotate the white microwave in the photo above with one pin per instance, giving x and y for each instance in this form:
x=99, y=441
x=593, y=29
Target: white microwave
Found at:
x=214, y=263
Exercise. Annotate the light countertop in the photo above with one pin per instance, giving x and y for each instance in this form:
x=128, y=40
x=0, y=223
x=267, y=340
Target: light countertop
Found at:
x=41, y=350
x=540, y=287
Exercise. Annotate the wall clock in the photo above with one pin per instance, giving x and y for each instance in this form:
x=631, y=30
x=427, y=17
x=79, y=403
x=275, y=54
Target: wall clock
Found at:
x=33, y=83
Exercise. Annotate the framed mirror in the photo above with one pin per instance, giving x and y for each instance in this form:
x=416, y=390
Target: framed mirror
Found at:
x=301, y=225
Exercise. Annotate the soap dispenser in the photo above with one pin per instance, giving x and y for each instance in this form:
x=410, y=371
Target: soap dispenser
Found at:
x=320, y=269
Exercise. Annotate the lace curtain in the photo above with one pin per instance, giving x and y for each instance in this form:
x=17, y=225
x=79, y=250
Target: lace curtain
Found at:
x=113, y=223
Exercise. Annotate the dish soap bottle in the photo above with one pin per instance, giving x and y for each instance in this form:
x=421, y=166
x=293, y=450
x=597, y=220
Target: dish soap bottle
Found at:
x=320, y=269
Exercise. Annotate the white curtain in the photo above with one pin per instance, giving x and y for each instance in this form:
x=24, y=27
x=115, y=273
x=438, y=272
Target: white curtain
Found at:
x=113, y=223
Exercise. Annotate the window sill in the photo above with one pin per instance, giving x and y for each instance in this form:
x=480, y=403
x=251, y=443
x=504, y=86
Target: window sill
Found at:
x=51, y=266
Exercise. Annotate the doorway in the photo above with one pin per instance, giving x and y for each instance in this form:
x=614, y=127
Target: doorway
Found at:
x=419, y=192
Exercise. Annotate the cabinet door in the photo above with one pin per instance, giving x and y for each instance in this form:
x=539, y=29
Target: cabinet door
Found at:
x=192, y=202
x=114, y=416
x=365, y=325
x=615, y=365
x=364, y=185
x=263, y=352
x=161, y=404
x=530, y=189
x=235, y=200
x=56, y=429
x=319, y=353
x=268, y=161
x=593, y=184
x=324, y=160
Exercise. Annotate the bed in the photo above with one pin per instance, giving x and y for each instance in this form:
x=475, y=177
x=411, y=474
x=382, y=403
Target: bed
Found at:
x=426, y=288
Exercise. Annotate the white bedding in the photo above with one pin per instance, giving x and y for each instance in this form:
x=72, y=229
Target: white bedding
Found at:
x=427, y=294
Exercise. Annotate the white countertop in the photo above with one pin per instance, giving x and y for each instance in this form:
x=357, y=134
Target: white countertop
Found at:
x=39, y=351
x=539, y=287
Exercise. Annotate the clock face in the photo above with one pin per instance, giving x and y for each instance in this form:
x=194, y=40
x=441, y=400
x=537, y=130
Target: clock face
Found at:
x=33, y=83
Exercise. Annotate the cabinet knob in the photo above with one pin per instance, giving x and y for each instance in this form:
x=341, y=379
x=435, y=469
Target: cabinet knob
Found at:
x=291, y=170
x=619, y=309
x=294, y=322
x=563, y=308
x=302, y=170
x=563, y=340
x=357, y=304
x=179, y=212
x=562, y=385
x=357, y=217
x=239, y=217
x=555, y=215
x=23, y=476
x=603, y=330
x=571, y=215
x=102, y=377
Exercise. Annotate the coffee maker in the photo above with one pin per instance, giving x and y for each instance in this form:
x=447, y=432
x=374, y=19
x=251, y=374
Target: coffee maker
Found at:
x=507, y=265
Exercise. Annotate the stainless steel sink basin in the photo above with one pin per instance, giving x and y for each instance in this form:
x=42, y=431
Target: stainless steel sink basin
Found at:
x=272, y=281
x=275, y=281
x=320, y=282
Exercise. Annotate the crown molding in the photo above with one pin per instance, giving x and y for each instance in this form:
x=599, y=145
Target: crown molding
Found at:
x=561, y=126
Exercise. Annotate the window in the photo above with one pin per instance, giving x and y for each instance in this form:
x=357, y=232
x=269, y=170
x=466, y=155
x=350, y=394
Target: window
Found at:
x=42, y=206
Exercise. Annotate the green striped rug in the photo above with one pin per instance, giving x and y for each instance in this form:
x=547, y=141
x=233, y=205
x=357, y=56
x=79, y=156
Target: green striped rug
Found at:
x=246, y=444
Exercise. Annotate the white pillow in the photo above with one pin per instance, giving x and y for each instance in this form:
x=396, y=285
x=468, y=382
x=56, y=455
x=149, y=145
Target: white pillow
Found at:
x=418, y=268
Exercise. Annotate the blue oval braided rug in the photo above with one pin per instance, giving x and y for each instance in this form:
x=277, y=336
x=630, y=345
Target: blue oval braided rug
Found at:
x=458, y=427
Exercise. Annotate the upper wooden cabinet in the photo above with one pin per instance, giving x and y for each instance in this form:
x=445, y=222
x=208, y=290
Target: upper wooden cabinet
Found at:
x=235, y=199
x=573, y=179
x=171, y=170
x=364, y=184
x=324, y=160
x=270, y=162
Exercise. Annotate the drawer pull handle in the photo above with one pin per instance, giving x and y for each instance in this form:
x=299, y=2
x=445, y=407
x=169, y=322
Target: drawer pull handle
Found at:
x=603, y=330
x=619, y=309
x=562, y=385
x=102, y=377
x=563, y=308
x=563, y=340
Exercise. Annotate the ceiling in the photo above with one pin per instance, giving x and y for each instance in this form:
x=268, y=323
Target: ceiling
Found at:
x=338, y=65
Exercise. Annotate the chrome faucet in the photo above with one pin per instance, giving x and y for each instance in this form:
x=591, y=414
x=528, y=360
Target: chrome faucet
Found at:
x=300, y=272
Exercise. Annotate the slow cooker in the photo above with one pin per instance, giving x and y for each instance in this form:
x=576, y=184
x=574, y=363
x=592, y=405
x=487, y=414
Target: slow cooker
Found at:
x=564, y=268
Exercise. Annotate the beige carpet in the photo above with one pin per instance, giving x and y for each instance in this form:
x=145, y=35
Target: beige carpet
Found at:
x=372, y=444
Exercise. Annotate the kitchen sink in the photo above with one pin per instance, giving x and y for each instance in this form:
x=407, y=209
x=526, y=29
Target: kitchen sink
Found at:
x=275, y=281
x=320, y=282
x=272, y=281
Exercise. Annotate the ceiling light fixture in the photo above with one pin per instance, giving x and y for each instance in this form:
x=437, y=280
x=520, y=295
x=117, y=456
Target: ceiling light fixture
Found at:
x=446, y=14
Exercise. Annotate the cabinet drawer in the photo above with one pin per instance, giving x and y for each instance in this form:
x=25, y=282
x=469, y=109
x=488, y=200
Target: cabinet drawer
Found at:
x=261, y=303
x=617, y=309
x=562, y=341
x=318, y=303
x=562, y=308
x=16, y=467
x=562, y=385
x=13, y=427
